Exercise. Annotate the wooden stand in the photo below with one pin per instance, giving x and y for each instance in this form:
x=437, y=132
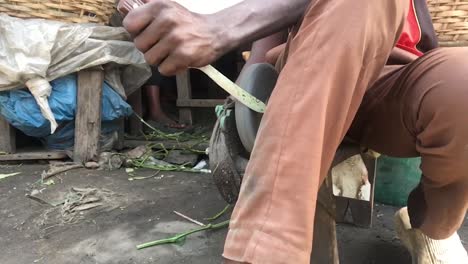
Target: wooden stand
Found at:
x=87, y=124
x=331, y=209
x=8, y=147
x=7, y=137
x=185, y=101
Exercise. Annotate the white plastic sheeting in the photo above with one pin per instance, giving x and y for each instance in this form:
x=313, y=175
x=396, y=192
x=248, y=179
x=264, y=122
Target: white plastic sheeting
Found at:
x=33, y=52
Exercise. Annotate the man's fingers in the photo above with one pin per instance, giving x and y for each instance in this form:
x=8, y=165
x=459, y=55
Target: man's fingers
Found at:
x=156, y=54
x=139, y=18
x=172, y=65
x=171, y=36
x=149, y=37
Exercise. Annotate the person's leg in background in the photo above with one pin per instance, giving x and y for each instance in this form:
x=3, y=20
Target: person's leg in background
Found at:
x=422, y=109
x=338, y=52
x=155, y=111
x=152, y=91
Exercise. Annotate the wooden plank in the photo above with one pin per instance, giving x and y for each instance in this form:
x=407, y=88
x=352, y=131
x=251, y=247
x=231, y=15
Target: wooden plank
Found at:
x=199, y=102
x=184, y=92
x=7, y=137
x=325, y=245
x=135, y=125
x=88, y=116
x=37, y=155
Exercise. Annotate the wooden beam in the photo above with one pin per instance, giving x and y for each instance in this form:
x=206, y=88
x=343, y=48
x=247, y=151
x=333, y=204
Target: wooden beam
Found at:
x=88, y=116
x=7, y=137
x=199, y=102
x=184, y=92
x=39, y=155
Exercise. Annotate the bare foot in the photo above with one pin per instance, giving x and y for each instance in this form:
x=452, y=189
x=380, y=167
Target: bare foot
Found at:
x=162, y=118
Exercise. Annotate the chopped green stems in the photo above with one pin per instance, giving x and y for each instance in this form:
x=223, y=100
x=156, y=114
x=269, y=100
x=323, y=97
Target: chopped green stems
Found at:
x=165, y=167
x=180, y=237
x=218, y=215
x=178, y=136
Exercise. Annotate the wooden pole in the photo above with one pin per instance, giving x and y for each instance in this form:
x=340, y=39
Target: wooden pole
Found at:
x=88, y=116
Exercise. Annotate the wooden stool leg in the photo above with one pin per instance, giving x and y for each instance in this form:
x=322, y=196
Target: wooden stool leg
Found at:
x=88, y=116
x=119, y=145
x=7, y=137
x=325, y=245
x=184, y=93
x=135, y=100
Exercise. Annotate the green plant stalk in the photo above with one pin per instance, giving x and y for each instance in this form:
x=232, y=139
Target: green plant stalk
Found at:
x=179, y=237
x=143, y=160
x=178, y=137
x=141, y=164
x=218, y=215
x=167, y=168
x=174, y=136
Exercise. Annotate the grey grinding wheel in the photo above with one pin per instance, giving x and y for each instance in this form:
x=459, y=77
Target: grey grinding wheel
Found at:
x=259, y=80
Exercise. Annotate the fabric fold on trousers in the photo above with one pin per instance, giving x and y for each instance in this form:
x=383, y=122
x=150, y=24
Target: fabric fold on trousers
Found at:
x=338, y=52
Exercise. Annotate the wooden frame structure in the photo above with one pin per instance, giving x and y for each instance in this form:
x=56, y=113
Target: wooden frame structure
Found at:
x=185, y=101
x=87, y=125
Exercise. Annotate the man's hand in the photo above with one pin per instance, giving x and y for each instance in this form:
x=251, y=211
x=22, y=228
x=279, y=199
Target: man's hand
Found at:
x=174, y=38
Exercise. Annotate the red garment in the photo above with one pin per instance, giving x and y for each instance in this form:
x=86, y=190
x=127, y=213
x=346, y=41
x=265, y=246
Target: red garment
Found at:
x=418, y=34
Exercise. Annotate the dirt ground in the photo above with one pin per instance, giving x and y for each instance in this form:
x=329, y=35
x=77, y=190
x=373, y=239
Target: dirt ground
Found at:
x=138, y=211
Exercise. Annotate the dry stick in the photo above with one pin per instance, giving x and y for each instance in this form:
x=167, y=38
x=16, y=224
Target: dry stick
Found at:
x=188, y=218
x=39, y=200
x=58, y=170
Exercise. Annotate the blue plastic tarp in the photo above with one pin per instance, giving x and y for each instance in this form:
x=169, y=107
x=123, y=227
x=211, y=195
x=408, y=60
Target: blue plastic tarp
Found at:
x=21, y=110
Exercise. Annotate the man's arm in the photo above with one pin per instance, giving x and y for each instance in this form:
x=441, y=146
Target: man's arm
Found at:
x=254, y=19
x=261, y=47
x=174, y=38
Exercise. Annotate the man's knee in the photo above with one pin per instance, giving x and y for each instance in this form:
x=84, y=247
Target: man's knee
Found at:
x=439, y=105
x=442, y=91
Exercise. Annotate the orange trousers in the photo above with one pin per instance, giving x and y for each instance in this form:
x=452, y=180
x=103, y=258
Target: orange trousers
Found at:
x=335, y=83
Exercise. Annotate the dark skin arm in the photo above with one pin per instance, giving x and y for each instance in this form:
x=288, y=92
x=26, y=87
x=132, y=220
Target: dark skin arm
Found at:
x=174, y=38
x=261, y=47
